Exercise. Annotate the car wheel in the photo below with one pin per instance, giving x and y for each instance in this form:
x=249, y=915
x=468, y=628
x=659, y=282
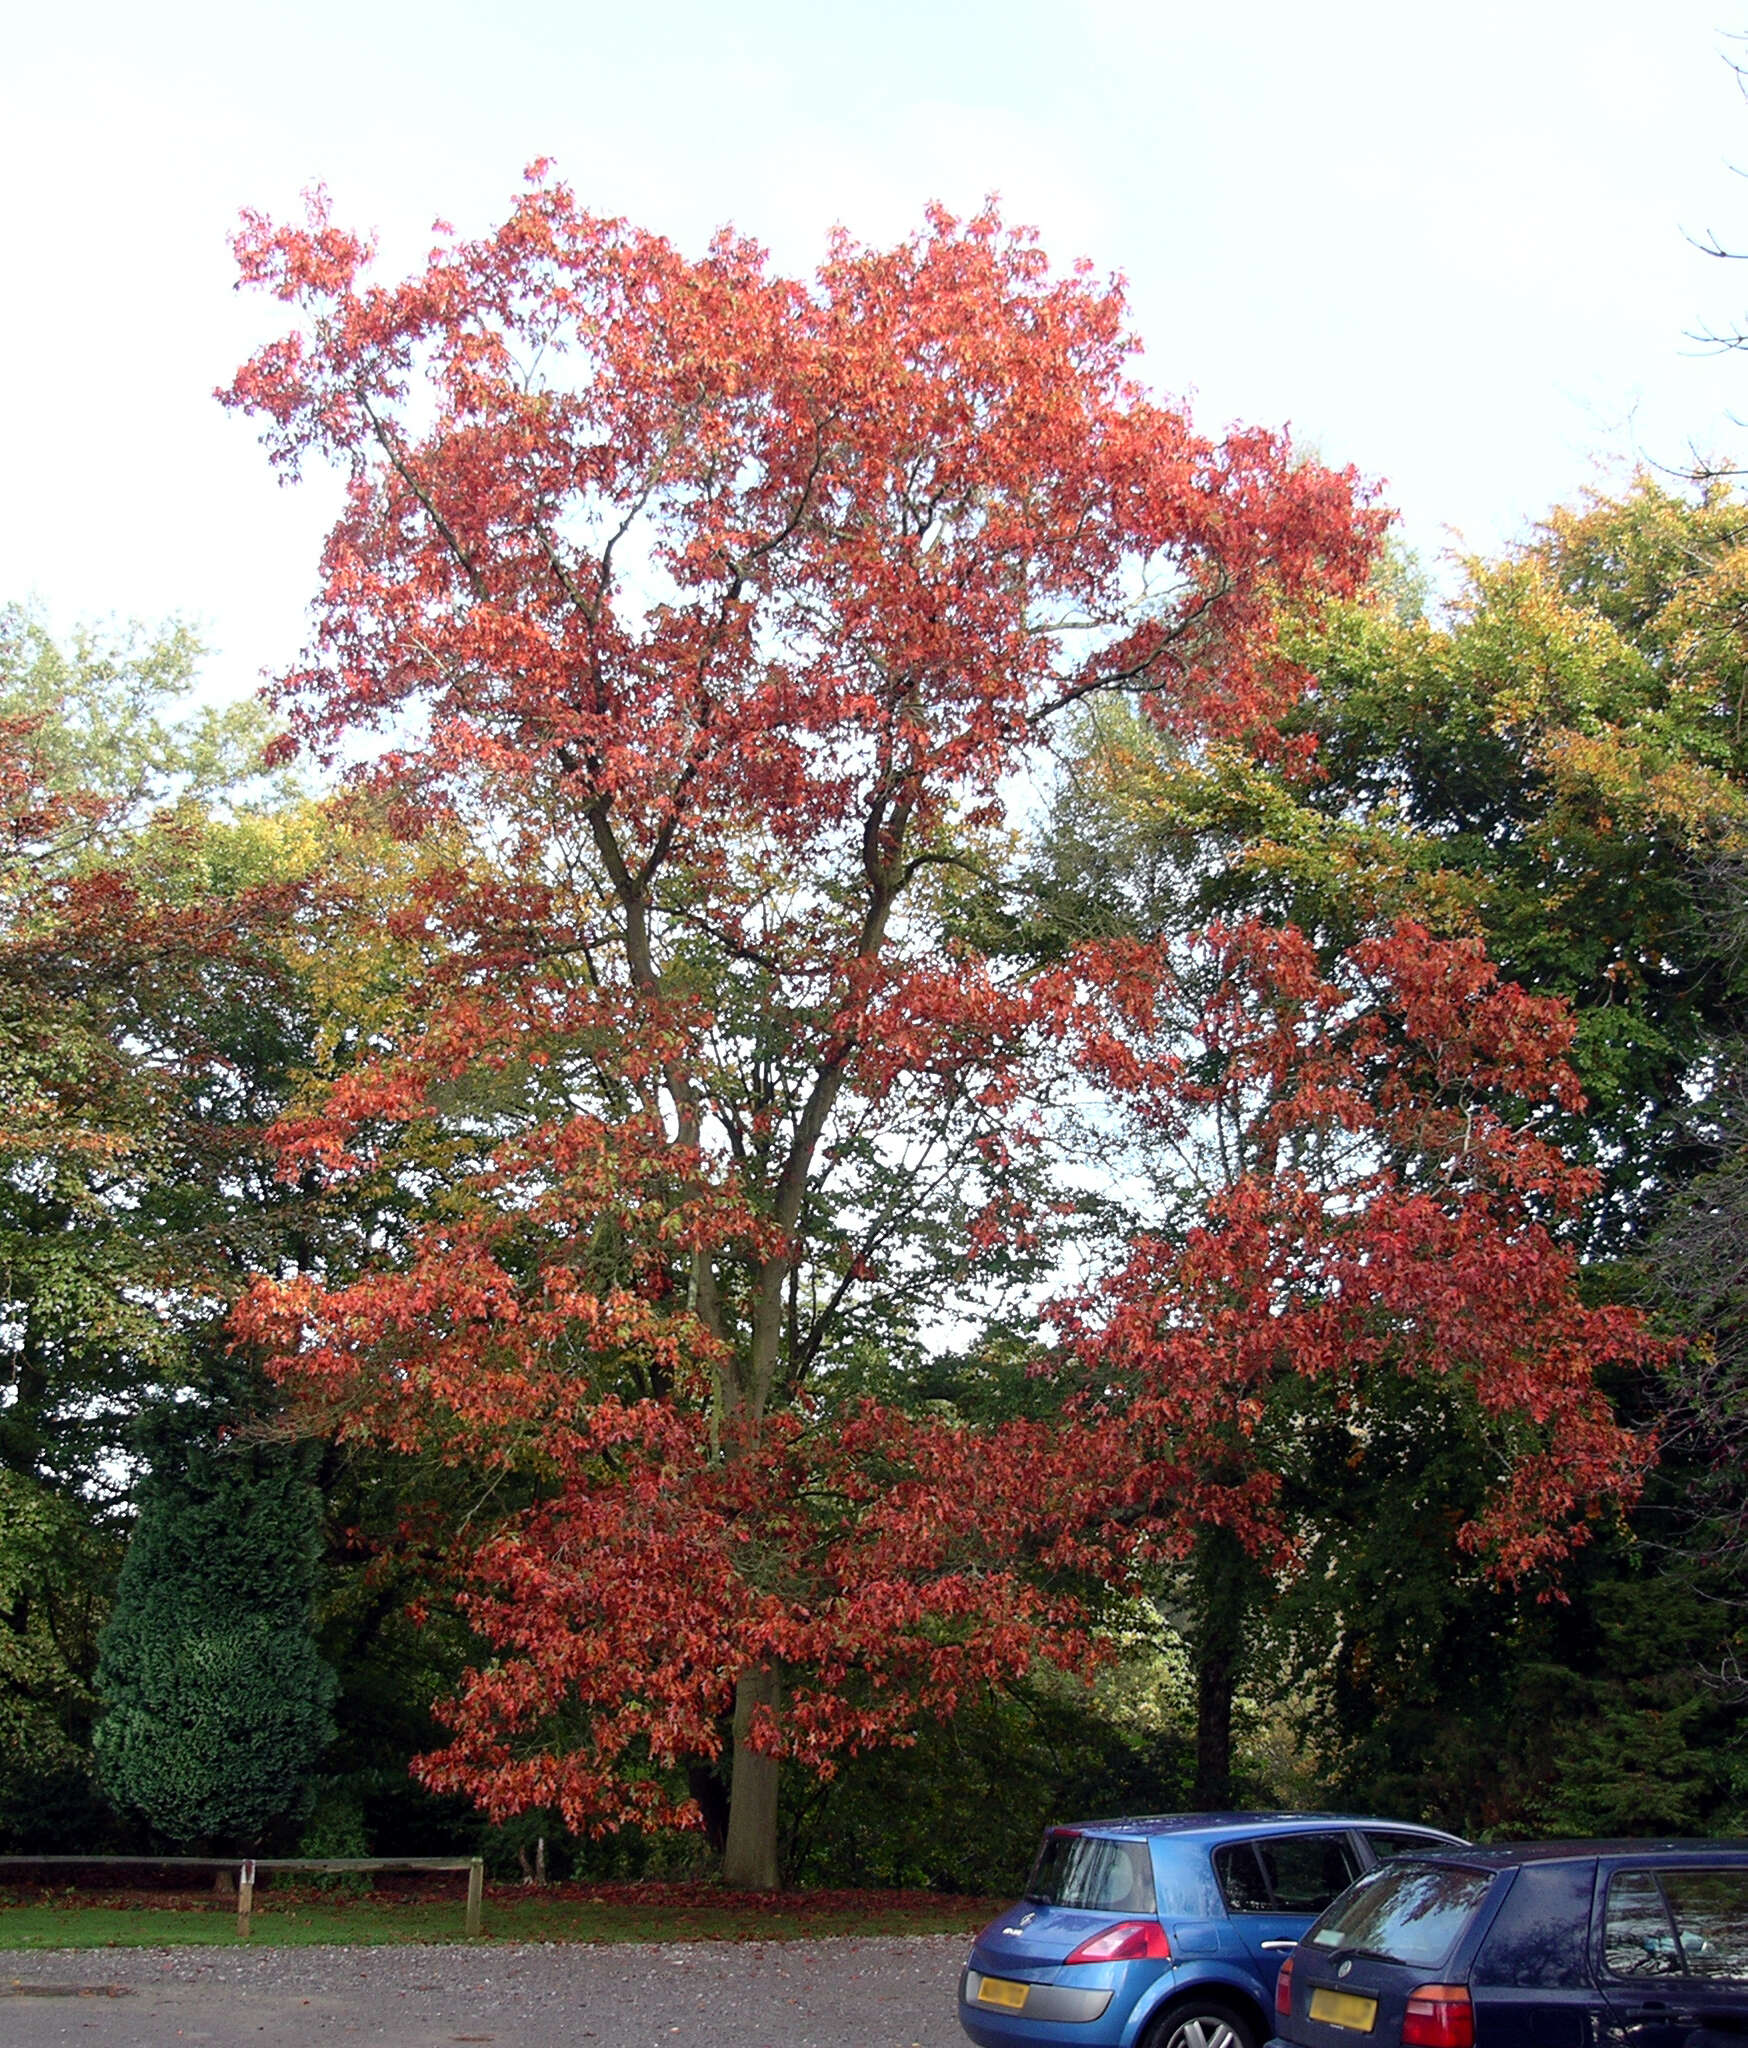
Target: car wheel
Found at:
x=1203, y=2026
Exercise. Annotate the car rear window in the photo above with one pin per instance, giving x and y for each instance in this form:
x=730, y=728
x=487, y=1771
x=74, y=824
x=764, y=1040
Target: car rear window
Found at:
x=1093, y=1872
x=1406, y=1913
x=1670, y=1922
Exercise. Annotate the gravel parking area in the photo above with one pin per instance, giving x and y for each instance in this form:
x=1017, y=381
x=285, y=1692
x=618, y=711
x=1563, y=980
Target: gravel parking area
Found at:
x=886, y=1993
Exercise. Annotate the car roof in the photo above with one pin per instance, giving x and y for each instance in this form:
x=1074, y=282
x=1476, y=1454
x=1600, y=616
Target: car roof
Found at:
x=1509, y=1855
x=1222, y=1824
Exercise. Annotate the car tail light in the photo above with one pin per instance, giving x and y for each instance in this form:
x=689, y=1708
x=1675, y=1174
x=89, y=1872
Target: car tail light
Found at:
x=1439, y=2016
x=1130, y=1941
x=1284, y=1990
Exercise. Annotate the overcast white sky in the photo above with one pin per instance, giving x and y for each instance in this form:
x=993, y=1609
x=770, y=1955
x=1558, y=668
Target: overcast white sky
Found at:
x=1445, y=243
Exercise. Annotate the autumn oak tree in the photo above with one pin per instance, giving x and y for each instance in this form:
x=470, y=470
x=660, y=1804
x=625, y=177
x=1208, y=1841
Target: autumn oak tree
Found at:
x=721, y=611
x=1355, y=1190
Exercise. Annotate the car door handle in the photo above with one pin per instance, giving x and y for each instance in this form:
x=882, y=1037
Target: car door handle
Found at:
x=1277, y=1944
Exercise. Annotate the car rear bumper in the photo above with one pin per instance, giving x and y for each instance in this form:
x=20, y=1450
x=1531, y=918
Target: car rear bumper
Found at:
x=1061, y=2004
x=1090, y=2017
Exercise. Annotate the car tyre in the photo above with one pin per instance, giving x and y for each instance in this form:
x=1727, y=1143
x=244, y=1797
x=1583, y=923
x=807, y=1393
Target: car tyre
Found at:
x=1203, y=2023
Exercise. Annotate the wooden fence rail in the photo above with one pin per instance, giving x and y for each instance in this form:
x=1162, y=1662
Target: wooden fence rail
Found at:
x=246, y=1867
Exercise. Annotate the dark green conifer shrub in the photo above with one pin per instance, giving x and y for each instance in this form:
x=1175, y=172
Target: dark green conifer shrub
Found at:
x=216, y=1701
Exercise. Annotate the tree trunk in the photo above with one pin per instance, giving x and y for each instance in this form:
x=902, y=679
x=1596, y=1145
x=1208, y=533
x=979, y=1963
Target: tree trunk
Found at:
x=1223, y=1575
x=1214, y=1688
x=749, y=1862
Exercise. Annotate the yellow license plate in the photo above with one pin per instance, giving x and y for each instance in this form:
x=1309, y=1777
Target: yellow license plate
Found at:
x=1344, y=2009
x=998, y=1991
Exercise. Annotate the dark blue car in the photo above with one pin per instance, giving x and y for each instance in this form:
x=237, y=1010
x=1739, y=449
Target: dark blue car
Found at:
x=1544, y=1945
x=1165, y=1932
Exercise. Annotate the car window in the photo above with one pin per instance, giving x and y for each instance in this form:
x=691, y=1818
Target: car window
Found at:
x=1385, y=1842
x=1406, y=1912
x=1711, y=1918
x=1539, y=1934
x=1093, y=1873
x=1638, y=1937
x=1304, y=1872
x=1664, y=1923
x=1239, y=1876
x=1284, y=1873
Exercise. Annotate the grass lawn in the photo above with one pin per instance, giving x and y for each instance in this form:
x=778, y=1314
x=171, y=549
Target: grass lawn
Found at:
x=36, y=1918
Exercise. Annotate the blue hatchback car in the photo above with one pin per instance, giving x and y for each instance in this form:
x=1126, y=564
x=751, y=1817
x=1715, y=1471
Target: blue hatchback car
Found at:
x=1539, y=1945
x=1165, y=1932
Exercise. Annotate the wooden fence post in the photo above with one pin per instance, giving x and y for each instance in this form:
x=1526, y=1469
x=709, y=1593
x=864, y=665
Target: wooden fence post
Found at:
x=476, y=1884
x=245, y=1899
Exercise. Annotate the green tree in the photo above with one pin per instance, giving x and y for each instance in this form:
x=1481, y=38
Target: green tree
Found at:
x=55, y=1571
x=155, y=1008
x=111, y=714
x=149, y=1021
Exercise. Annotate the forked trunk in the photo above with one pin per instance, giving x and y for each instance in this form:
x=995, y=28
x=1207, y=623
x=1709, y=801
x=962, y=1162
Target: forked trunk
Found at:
x=749, y=1863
